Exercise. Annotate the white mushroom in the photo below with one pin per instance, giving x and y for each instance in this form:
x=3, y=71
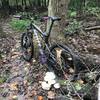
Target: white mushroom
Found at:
x=56, y=85
x=69, y=58
x=45, y=85
x=51, y=82
x=49, y=76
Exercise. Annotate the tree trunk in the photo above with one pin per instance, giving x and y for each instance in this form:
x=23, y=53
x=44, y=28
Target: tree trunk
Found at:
x=98, y=3
x=80, y=5
x=42, y=2
x=30, y=3
x=22, y=2
x=5, y=8
x=45, y=3
x=38, y=3
x=25, y=3
x=58, y=8
x=17, y=4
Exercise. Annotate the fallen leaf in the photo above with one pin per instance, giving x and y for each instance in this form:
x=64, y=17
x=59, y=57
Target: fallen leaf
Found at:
x=71, y=70
x=13, y=86
x=26, y=69
x=21, y=97
x=51, y=95
x=40, y=97
x=34, y=60
x=80, y=81
x=25, y=82
x=32, y=93
x=14, y=97
x=14, y=56
x=13, y=50
x=27, y=64
x=15, y=73
x=15, y=53
x=69, y=59
x=58, y=52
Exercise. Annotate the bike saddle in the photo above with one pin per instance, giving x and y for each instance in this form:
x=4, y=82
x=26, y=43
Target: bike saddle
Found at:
x=53, y=18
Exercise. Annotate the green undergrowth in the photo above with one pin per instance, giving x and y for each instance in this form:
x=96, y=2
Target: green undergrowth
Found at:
x=4, y=75
x=2, y=80
x=73, y=27
x=19, y=25
x=95, y=11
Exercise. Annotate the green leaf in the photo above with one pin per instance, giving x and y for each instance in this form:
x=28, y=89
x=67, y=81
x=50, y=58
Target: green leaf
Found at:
x=78, y=86
x=73, y=14
x=63, y=82
x=2, y=80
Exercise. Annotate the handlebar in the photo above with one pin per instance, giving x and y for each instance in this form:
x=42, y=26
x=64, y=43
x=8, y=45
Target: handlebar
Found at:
x=53, y=18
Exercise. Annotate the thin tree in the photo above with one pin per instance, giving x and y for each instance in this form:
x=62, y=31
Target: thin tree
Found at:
x=17, y=4
x=58, y=8
x=30, y=3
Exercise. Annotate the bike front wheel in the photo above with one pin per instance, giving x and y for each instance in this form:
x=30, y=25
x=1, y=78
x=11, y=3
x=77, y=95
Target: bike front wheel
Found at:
x=27, y=46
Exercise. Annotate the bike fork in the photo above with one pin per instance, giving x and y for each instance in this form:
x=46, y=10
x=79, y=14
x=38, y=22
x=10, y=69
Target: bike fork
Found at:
x=42, y=56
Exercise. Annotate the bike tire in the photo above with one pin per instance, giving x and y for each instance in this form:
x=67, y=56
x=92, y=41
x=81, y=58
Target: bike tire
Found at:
x=67, y=64
x=27, y=46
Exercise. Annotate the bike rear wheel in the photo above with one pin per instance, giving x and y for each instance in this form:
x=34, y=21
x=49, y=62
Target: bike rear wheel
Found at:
x=62, y=60
x=27, y=46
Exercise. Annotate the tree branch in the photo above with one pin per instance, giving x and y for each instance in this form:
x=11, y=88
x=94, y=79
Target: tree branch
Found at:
x=92, y=28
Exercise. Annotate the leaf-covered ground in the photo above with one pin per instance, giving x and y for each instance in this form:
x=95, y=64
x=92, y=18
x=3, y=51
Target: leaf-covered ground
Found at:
x=20, y=80
x=17, y=75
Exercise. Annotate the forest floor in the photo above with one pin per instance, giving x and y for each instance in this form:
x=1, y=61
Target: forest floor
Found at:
x=20, y=80
x=16, y=71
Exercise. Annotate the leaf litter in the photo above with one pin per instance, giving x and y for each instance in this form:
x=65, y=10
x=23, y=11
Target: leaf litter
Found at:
x=23, y=80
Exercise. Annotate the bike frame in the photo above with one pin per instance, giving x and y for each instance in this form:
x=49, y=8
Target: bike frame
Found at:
x=44, y=35
x=37, y=31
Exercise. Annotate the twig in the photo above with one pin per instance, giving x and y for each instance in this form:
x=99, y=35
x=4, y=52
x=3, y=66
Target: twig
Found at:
x=92, y=28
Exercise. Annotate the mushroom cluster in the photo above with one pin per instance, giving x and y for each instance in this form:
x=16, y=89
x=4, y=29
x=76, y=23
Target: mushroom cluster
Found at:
x=49, y=81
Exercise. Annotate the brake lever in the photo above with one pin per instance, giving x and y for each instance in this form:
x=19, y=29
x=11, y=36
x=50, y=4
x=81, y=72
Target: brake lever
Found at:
x=44, y=19
x=17, y=16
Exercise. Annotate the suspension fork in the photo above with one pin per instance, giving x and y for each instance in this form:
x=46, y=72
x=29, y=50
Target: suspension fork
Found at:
x=42, y=56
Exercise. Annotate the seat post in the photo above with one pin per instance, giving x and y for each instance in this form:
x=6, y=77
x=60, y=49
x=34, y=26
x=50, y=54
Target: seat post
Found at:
x=50, y=28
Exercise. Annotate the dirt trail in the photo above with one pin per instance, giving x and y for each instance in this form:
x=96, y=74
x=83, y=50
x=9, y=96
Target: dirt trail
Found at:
x=22, y=82
x=16, y=65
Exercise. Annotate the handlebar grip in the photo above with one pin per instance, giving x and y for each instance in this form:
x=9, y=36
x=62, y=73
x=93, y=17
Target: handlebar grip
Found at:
x=44, y=18
x=18, y=16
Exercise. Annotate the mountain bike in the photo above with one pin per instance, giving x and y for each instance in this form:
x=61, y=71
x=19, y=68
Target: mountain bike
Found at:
x=57, y=56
